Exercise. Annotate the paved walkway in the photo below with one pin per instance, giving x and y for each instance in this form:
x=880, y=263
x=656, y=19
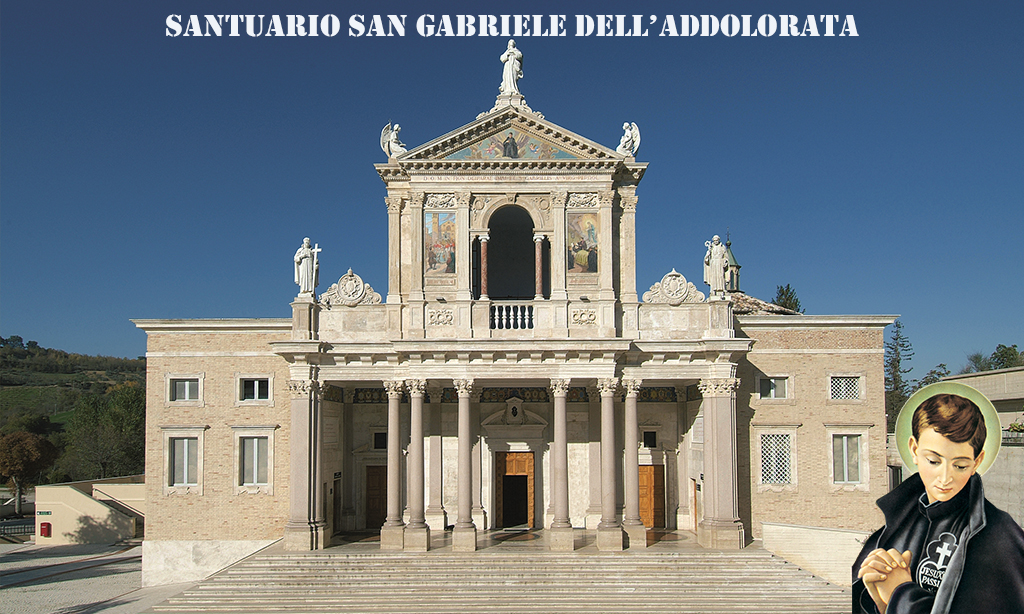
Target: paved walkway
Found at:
x=76, y=580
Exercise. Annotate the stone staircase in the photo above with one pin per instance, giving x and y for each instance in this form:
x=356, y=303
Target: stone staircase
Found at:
x=708, y=582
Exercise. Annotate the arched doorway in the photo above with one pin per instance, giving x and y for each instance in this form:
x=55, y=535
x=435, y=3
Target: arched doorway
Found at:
x=511, y=256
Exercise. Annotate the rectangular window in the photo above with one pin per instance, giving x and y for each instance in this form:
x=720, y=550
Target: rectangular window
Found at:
x=844, y=388
x=255, y=389
x=775, y=458
x=650, y=439
x=846, y=459
x=184, y=461
x=773, y=387
x=254, y=460
x=380, y=441
x=184, y=389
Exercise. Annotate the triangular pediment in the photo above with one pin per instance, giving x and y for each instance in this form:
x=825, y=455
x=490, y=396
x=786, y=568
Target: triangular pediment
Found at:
x=509, y=135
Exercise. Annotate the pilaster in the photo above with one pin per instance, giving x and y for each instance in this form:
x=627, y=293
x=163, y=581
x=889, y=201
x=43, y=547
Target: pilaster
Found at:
x=721, y=527
x=306, y=528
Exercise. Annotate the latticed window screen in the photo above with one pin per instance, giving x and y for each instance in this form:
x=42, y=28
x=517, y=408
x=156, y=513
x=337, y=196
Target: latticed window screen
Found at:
x=845, y=387
x=776, y=450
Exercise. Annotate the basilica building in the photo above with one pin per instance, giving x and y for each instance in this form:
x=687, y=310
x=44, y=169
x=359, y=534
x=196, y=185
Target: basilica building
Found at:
x=511, y=374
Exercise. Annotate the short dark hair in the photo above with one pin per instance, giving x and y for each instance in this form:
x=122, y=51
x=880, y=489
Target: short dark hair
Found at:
x=954, y=417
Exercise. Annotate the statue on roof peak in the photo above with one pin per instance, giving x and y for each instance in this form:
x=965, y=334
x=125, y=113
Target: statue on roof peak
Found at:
x=513, y=71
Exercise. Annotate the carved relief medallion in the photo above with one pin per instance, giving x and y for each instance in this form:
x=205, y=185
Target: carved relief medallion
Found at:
x=441, y=317
x=349, y=291
x=674, y=290
x=581, y=200
x=583, y=317
x=440, y=201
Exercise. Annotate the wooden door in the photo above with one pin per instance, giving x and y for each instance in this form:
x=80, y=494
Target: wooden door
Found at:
x=513, y=464
x=376, y=496
x=652, y=495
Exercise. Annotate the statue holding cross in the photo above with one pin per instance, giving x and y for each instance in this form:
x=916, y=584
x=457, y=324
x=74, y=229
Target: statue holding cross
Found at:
x=307, y=269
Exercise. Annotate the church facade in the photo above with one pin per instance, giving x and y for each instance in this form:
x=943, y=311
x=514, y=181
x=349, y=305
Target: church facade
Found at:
x=510, y=375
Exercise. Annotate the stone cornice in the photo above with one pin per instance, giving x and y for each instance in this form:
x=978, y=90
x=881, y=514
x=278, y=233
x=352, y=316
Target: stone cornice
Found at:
x=805, y=321
x=215, y=325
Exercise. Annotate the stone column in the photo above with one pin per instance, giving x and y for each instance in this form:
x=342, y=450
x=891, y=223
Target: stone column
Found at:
x=594, y=456
x=392, y=534
x=609, y=532
x=484, y=238
x=348, y=485
x=436, y=515
x=417, y=533
x=636, y=532
x=464, y=534
x=538, y=266
x=476, y=453
x=721, y=527
x=306, y=528
x=560, y=534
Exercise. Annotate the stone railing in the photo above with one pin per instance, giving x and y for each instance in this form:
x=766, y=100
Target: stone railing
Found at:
x=511, y=315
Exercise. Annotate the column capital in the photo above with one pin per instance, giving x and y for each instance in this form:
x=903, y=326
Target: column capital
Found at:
x=394, y=204
x=538, y=238
x=608, y=386
x=484, y=238
x=416, y=198
x=350, y=394
x=606, y=197
x=463, y=386
x=434, y=391
x=303, y=388
x=558, y=198
x=394, y=388
x=559, y=387
x=718, y=386
x=416, y=387
x=632, y=386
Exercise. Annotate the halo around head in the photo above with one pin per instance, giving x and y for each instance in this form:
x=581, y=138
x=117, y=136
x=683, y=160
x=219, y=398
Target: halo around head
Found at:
x=994, y=431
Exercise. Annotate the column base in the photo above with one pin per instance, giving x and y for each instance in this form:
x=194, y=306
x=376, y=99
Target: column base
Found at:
x=480, y=517
x=561, y=539
x=721, y=534
x=464, y=539
x=417, y=539
x=437, y=518
x=392, y=537
x=303, y=537
x=610, y=539
x=636, y=536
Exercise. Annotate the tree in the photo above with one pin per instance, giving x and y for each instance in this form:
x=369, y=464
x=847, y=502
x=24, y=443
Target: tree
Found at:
x=1006, y=357
x=23, y=456
x=107, y=433
x=786, y=297
x=977, y=362
x=898, y=353
x=940, y=371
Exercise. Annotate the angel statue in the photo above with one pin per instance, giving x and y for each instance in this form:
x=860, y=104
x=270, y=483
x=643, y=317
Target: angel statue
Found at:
x=389, y=141
x=630, y=141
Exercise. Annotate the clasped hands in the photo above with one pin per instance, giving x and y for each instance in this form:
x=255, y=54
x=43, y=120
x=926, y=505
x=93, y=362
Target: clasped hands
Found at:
x=882, y=571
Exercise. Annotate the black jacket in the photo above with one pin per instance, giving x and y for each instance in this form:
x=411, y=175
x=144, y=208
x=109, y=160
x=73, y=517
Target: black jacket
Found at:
x=968, y=554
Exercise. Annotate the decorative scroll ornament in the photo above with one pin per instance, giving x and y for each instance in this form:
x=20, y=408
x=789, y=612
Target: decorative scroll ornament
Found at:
x=582, y=200
x=463, y=386
x=440, y=201
x=632, y=386
x=394, y=388
x=583, y=317
x=349, y=291
x=441, y=317
x=416, y=386
x=674, y=290
x=608, y=386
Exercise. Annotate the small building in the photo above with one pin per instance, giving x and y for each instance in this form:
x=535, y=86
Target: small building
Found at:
x=511, y=374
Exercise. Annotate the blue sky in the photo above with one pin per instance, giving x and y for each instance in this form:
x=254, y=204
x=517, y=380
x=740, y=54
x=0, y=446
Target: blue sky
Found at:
x=146, y=176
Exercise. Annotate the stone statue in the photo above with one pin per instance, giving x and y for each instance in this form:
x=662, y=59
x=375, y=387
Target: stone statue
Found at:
x=630, y=141
x=307, y=269
x=513, y=72
x=715, y=264
x=389, y=141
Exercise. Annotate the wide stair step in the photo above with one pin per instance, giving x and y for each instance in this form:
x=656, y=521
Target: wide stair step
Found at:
x=707, y=582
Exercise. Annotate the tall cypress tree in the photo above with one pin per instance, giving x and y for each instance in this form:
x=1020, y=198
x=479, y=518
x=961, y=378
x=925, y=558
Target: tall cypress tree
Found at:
x=898, y=353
